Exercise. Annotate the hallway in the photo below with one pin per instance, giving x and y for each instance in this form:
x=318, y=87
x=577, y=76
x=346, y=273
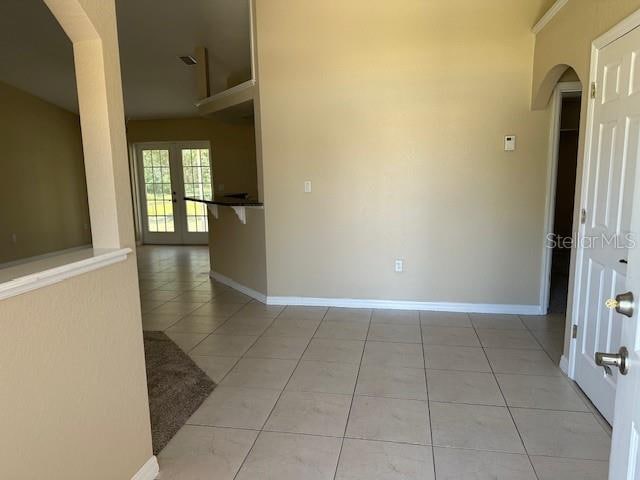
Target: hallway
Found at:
x=317, y=393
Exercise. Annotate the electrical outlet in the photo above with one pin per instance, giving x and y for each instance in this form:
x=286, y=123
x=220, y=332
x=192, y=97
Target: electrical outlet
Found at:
x=399, y=266
x=307, y=186
x=14, y=238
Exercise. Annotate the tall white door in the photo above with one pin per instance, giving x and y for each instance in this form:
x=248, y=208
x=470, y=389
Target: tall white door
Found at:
x=169, y=172
x=625, y=451
x=607, y=202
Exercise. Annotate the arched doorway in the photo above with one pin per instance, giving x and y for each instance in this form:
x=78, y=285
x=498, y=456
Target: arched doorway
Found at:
x=561, y=218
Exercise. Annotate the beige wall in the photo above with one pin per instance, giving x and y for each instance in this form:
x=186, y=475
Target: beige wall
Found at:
x=566, y=41
x=397, y=112
x=43, y=192
x=237, y=250
x=72, y=379
x=233, y=146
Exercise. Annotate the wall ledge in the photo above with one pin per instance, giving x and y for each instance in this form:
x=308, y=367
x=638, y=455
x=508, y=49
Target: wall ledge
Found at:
x=547, y=17
x=43, y=272
x=149, y=470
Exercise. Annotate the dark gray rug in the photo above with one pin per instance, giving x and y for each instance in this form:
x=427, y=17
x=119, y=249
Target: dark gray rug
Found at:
x=177, y=387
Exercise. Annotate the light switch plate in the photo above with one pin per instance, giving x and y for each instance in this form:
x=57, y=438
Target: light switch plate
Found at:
x=509, y=143
x=307, y=186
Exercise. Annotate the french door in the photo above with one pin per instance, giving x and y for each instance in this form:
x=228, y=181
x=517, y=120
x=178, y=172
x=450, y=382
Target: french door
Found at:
x=167, y=173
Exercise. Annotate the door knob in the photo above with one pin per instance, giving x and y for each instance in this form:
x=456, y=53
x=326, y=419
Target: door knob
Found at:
x=619, y=360
x=624, y=304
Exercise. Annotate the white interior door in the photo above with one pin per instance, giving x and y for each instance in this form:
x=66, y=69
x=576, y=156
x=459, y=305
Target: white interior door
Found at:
x=626, y=425
x=167, y=173
x=607, y=202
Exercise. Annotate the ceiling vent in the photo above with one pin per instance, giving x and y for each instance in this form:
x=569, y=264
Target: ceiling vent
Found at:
x=188, y=60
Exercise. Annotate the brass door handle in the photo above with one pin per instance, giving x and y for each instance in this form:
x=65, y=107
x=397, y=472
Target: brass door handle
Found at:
x=624, y=304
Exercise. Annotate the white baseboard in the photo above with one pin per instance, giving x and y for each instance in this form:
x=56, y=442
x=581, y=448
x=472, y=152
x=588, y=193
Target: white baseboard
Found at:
x=564, y=365
x=149, y=470
x=407, y=305
x=381, y=304
x=261, y=297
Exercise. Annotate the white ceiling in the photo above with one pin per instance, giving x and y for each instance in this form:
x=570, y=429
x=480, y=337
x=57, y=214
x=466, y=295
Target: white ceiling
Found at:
x=37, y=56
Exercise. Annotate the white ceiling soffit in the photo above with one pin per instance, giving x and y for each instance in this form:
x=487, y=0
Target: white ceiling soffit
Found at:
x=154, y=33
x=37, y=56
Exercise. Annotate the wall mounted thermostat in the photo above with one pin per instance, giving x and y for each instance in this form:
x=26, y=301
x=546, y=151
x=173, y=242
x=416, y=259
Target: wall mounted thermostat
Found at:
x=509, y=143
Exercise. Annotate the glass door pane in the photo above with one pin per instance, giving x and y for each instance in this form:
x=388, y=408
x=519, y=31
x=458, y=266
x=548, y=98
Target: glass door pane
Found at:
x=158, y=192
x=196, y=174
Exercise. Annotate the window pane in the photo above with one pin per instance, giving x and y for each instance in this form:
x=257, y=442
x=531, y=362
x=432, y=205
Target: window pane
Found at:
x=195, y=157
x=206, y=175
x=196, y=172
x=164, y=158
x=146, y=158
x=157, y=179
x=208, y=192
x=186, y=158
x=155, y=154
x=169, y=224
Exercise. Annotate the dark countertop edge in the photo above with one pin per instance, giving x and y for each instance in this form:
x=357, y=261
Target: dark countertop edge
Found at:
x=228, y=203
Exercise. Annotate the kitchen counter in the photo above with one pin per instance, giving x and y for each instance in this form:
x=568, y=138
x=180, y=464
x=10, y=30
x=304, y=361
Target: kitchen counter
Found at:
x=229, y=201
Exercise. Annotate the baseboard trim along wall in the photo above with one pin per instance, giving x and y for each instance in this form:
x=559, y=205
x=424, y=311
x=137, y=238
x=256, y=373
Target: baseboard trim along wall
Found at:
x=381, y=304
x=407, y=305
x=261, y=297
x=564, y=365
x=149, y=470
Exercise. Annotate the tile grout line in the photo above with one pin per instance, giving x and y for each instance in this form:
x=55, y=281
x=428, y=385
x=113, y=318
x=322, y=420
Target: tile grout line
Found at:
x=590, y=407
x=526, y=327
x=227, y=320
x=360, y=365
x=506, y=403
x=426, y=385
x=353, y=396
x=180, y=316
x=258, y=337
x=283, y=388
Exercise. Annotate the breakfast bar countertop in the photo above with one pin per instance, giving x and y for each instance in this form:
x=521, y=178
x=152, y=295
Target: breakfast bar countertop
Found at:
x=235, y=200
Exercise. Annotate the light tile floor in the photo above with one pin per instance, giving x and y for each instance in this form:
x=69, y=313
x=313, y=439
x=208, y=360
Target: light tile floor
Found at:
x=346, y=394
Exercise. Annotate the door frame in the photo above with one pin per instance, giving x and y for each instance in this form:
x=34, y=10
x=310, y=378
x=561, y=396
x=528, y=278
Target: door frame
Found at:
x=562, y=90
x=192, y=238
x=620, y=30
x=139, y=205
